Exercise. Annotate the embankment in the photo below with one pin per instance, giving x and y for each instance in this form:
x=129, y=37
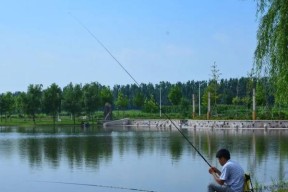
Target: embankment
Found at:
x=218, y=124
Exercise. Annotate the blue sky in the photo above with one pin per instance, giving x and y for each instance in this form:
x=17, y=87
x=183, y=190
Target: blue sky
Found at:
x=155, y=40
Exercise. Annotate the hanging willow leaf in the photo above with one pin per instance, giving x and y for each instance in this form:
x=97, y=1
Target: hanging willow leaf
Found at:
x=271, y=54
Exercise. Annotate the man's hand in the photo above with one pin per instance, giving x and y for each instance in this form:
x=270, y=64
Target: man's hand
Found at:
x=213, y=170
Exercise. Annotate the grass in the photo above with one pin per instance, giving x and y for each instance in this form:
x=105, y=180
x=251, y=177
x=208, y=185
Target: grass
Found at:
x=276, y=186
x=42, y=119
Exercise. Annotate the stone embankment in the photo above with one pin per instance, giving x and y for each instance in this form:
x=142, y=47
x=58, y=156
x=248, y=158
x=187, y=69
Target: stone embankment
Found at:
x=220, y=124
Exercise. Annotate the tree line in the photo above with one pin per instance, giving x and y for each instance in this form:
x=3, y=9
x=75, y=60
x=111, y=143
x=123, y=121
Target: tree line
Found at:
x=271, y=59
x=78, y=99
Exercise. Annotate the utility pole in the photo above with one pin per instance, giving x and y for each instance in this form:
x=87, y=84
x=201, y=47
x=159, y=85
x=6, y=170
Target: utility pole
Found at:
x=254, y=105
x=199, y=99
x=193, y=106
x=209, y=108
x=160, y=103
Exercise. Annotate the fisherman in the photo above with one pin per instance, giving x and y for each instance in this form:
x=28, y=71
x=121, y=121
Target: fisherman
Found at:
x=231, y=178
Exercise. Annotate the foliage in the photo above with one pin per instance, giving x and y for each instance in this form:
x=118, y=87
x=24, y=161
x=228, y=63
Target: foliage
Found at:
x=106, y=95
x=213, y=84
x=6, y=104
x=185, y=107
x=234, y=93
x=138, y=100
x=150, y=105
x=19, y=103
x=212, y=89
x=175, y=95
x=264, y=90
x=122, y=101
x=236, y=100
x=52, y=100
x=276, y=186
x=91, y=97
x=271, y=52
x=72, y=99
x=32, y=100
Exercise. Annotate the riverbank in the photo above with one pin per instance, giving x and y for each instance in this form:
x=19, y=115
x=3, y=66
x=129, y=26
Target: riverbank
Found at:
x=217, y=124
x=157, y=123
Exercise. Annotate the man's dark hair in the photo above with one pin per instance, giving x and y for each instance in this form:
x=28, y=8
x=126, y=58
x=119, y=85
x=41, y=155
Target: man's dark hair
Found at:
x=223, y=153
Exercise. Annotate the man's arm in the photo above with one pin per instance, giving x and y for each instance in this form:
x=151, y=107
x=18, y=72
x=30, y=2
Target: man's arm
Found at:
x=217, y=179
x=215, y=172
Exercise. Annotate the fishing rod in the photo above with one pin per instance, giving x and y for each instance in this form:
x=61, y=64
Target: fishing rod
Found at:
x=94, y=185
x=104, y=47
x=107, y=50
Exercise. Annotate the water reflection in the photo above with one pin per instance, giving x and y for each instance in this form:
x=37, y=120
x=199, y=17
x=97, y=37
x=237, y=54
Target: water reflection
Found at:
x=263, y=154
x=40, y=146
x=176, y=146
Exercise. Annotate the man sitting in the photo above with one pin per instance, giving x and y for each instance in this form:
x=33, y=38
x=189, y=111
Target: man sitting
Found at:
x=231, y=178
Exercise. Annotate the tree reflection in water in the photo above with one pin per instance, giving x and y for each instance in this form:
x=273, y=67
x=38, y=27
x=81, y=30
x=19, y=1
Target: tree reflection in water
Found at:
x=258, y=151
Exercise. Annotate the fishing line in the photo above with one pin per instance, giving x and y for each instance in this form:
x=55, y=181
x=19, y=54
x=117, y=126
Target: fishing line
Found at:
x=94, y=185
x=103, y=46
x=107, y=50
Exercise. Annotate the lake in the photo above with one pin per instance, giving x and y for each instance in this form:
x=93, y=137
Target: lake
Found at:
x=125, y=159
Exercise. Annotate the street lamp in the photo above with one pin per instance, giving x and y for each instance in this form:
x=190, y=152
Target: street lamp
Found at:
x=200, y=99
x=160, y=103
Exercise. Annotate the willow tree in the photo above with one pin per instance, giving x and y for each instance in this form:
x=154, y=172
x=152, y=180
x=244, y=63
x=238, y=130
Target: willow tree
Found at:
x=271, y=54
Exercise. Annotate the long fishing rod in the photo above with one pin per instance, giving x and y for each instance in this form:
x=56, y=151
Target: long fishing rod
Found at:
x=103, y=46
x=94, y=185
x=107, y=50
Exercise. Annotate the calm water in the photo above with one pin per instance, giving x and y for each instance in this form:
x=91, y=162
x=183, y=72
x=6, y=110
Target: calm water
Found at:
x=66, y=159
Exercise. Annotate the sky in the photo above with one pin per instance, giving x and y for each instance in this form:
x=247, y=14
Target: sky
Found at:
x=154, y=40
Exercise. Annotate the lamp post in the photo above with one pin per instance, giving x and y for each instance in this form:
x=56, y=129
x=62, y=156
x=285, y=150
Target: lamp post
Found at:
x=254, y=105
x=193, y=106
x=160, y=103
x=200, y=99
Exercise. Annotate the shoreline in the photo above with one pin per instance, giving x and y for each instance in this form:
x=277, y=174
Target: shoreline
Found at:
x=210, y=124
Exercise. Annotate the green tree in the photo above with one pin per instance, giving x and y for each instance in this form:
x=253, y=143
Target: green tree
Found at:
x=9, y=101
x=236, y=100
x=32, y=101
x=106, y=95
x=91, y=98
x=264, y=96
x=271, y=52
x=260, y=94
x=72, y=100
x=2, y=107
x=122, y=101
x=19, y=103
x=150, y=105
x=138, y=100
x=6, y=104
x=175, y=95
x=213, y=86
x=184, y=107
x=250, y=85
x=52, y=100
